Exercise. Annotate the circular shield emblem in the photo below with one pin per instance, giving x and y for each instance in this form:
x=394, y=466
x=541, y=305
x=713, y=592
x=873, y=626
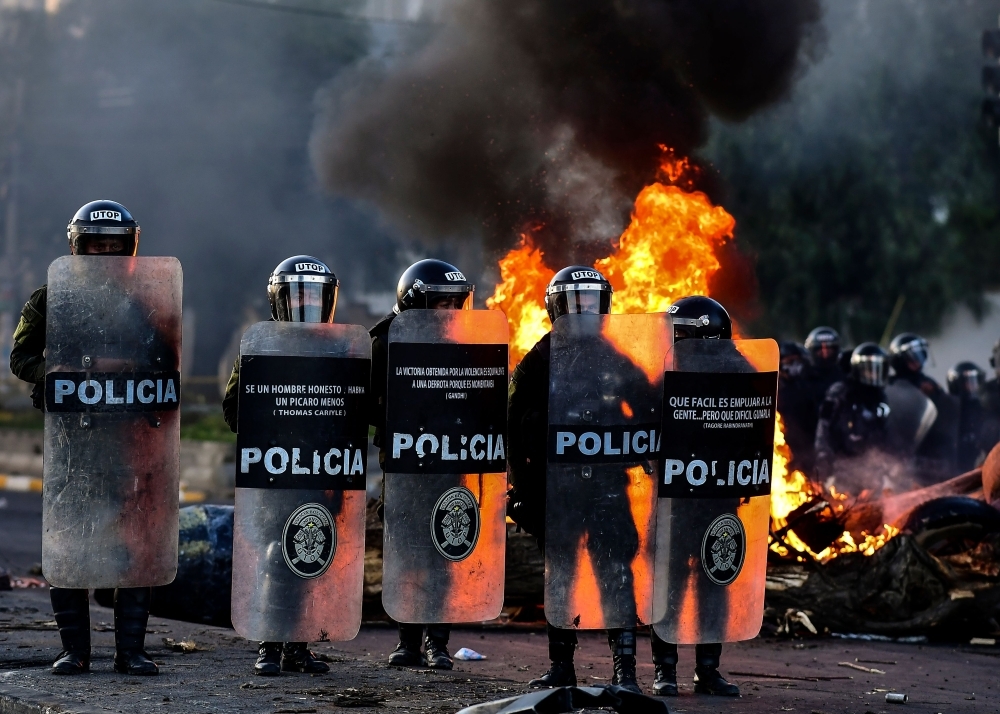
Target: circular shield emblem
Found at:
x=455, y=523
x=309, y=540
x=723, y=549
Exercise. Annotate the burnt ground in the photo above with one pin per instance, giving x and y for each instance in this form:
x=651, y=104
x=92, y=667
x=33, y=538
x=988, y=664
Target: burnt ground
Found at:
x=775, y=675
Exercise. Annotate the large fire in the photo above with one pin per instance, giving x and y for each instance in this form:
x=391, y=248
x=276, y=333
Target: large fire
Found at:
x=667, y=251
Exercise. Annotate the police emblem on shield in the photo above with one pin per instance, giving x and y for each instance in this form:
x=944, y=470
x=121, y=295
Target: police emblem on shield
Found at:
x=723, y=549
x=309, y=540
x=455, y=523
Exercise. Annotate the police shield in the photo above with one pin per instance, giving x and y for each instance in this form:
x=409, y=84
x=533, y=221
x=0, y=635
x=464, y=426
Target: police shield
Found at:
x=299, y=522
x=445, y=466
x=603, y=435
x=112, y=424
x=911, y=417
x=714, y=499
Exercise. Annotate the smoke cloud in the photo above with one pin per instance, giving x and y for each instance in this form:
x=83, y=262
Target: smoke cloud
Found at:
x=548, y=113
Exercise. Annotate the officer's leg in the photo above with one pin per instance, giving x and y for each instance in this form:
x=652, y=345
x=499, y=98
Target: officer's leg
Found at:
x=707, y=678
x=562, y=645
x=296, y=657
x=664, y=665
x=268, y=662
x=407, y=652
x=622, y=643
x=131, y=616
x=72, y=610
x=436, y=647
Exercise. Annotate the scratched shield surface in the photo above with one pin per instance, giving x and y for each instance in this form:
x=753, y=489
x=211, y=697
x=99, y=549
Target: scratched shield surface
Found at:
x=112, y=422
x=604, y=421
x=299, y=522
x=714, y=500
x=445, y=480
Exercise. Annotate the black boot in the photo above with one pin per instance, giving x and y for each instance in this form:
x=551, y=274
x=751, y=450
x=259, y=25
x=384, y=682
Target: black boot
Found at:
x=131, y=616
x=622, y=644
x=436, y=647
x=72, y=611
x=268, y=662
x=707, y=679
x=407, y=652
x=664, y=666
x=562, y=646
x=296, y=657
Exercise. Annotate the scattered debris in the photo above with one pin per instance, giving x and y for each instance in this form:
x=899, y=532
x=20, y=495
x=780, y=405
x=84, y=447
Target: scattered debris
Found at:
x=185, y=646
x=568, y=699
x=896, y=698
x=467, y=655
x=358, y=698
x=875, y=661
x=858, y=667
x=254, y=685
x=990, y=641
x=793, y=617
x=815, y=678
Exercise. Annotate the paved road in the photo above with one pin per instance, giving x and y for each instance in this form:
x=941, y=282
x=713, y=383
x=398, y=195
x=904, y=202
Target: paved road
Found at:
x=802, y=677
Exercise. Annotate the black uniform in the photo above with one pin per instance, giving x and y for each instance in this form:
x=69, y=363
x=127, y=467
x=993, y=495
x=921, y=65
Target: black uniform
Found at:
x=936, y=457
x=71, y=606
x=989, y=431
x=410, y=633
x=852, y=420
x=799, y=409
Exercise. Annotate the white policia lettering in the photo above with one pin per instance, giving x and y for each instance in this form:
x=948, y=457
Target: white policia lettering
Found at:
x=277, y=460
x=105, y=216
x=590, y=443
x=478, y=448
x=696, y=472
x=90, y=391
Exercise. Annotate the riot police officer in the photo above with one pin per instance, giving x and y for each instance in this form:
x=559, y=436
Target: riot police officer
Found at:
x=98, y=228
x=694, y=317
x=964, y=381
x=852, y=417
x=301, y=289
x=429, y=285
x=797, y=404
x=527, y=420
x=823, y=344
x=936, y=455
x=989, y=397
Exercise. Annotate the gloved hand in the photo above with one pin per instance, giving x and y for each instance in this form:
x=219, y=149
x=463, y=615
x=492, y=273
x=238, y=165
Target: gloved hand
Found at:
x=38, y=397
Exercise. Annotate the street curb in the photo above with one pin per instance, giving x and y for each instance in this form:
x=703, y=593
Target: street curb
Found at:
x=21, y=700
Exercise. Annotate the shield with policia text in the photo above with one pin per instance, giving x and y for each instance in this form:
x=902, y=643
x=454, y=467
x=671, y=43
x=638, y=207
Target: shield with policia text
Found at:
x=715, y=489
x=445, y=466
x=603, y=435
x=112, y=424
x=301, y=454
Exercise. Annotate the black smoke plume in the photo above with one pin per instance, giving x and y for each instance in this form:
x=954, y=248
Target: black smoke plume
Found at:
x=549, y=112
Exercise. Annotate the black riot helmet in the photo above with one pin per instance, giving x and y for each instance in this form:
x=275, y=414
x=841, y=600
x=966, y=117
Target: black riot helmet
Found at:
x=965, y=378
x=433, y=284
x=577, y=289
x=303, y=289
x=103, y=228
x=823, y=344
x=870, y=365
x=793, y=358
x=908, y=352
x=700, y=317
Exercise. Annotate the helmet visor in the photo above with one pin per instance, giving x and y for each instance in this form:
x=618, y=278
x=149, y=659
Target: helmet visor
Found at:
x=870, y=369
x=450, y=300
x=581, y=302
x=915, y=354
x=964, y=382
x=305, y=302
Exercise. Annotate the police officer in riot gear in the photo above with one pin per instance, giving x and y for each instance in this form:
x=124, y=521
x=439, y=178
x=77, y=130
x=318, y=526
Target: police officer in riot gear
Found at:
x=98, y=228
x=428, y=285
x=301, y=289
x=936, y=455
x=527, y=420
x=989, y=397
x=823, y=344
x=852, y=417
x=965, y=380
x=694, y=317
x=797, y=404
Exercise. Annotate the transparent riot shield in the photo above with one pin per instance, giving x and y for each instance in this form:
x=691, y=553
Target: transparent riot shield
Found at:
x=911, y=416
x=604, y=428
x=445, y=466
x=112, y=424
x=302, y=444
x=714, y=500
